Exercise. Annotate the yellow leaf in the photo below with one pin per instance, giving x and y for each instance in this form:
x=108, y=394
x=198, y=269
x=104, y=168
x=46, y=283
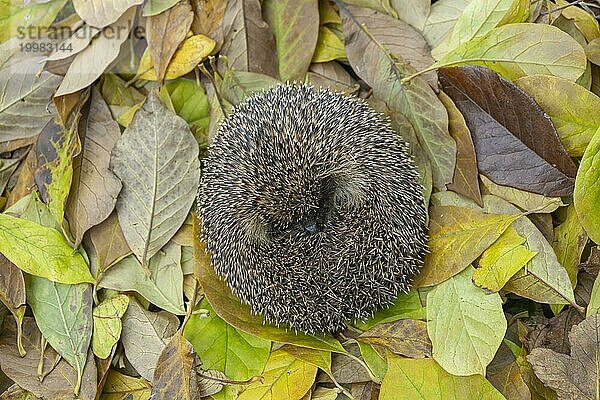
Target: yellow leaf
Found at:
x=191, y=52
x=285, y=377
x=502, y=260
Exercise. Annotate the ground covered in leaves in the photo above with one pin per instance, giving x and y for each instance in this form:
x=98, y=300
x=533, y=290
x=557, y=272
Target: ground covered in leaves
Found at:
x=106, y=111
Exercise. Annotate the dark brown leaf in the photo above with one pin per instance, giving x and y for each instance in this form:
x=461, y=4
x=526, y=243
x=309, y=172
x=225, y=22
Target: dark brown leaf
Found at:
x=249, y=44
x=407, y=337
x=165, y=31
x=515, y=141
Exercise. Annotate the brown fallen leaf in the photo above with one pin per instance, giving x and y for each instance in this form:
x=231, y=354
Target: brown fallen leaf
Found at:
x=109, y=242
x=466, y=175
x=174, y=377
x=407, y=337
x=164, y=32
x=515, y=141
x=94, y=188
x=574, y=376
x=208, y=18
x=59, y=379
x=249, y=44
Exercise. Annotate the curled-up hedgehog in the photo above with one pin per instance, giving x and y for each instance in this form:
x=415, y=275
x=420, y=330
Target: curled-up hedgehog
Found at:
x=311, y=208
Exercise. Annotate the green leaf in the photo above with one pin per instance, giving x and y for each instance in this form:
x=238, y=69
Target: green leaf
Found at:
x=295, y=25
x=407, y=305
x=41, y=251
x=516, y=50
x=221, y=346
x=586, y=196
x=107, y=324
x=480, y=17
x=190, y=102
x=572, y=108
x=569, y=241
x=329, y=46
x=375, y=361
x=502, y=260
x=15, y=18
x=466, y=325
x=285, y=377
x=156, y=158
x=229, y=307
x=594, y=304
x=408, y=379
x=164, y=286
x=457, y=236
x=64, y=316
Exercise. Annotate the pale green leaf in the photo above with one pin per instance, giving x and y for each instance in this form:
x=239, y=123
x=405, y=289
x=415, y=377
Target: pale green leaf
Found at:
x=525, y=200
x=516, y=50
x=466, y=325
x=164, y=286
x=295, y=25
x=572, y=108
x=502, y=260
x=16, y=17
x=409, y=379
x=569, y=241
x=64, y=315
x=107, y=324
x=586, y=196
x=594, y=305
x=480, y=17
x=441, y=20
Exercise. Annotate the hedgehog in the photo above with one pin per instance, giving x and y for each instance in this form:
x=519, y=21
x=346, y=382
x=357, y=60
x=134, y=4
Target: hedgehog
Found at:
x=311, y=208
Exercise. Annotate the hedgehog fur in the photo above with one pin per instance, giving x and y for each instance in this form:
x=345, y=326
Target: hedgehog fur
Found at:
x=311, y=208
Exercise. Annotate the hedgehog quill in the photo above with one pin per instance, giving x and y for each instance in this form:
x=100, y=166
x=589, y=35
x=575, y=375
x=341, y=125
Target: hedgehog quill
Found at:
x=311, y=208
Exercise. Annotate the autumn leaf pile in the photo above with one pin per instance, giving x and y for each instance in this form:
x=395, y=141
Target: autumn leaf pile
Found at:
x=107, y=109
